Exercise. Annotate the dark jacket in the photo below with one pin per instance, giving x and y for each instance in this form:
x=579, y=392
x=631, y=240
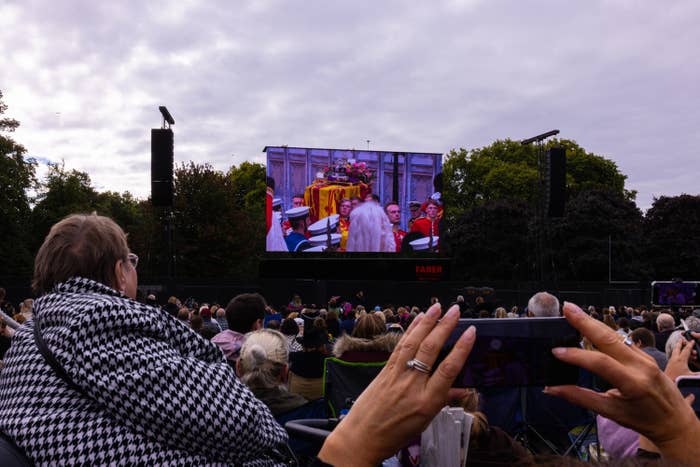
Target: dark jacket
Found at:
x=141, y=375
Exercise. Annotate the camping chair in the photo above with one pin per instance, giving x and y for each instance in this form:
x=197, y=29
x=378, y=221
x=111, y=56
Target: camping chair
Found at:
x=343, y=382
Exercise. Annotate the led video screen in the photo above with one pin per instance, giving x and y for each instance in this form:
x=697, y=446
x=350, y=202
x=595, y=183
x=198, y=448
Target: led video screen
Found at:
x=674, y=293
x=346, y=200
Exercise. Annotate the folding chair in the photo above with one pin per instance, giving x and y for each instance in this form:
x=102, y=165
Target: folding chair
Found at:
x=343, y=382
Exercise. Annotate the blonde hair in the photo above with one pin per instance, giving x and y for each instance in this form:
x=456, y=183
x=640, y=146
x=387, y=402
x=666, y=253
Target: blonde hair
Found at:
x=85, y=245
x=264, y=356
x=500, y=312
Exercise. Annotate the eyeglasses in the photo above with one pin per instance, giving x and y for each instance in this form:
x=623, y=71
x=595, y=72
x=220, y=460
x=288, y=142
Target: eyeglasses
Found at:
x=133, y=259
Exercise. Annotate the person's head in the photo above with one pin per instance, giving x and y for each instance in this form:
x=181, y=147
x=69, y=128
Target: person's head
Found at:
x=610, y=321
x=273, y=324
x=500, y=312
x=642, y=337
x=297, y=201
x=665, y=322
x=372, y=197
x=89, y=246
x=431, y=208
x=183, y=314
x=460, y=298
x=414, y=207
x=196, y=323
x=393, y=212
x=368, y=326
x=543, y=304
x=264, y=359
x=300, y=224
x=355, y=201
x=345, y=207
x=289, y=327
x=245, y=312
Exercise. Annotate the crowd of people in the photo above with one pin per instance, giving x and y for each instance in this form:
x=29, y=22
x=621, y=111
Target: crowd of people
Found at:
x=143, y=383
x=360, y=225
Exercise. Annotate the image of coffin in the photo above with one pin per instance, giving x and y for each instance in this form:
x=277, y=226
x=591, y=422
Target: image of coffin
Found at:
x=323, y=225
x=321, y=241
x=423, y=244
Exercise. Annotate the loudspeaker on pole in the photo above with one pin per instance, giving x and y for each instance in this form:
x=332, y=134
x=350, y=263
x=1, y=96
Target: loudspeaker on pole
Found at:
x=556, y=199
x=162, y=167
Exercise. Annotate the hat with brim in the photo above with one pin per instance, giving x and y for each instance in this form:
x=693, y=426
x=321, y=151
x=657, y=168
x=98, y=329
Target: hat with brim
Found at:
x=297, y=213
x=414, y=204
x=422, y=244
x=322, y=240
x=323, y=225
x=315, y=249
x=276, y=202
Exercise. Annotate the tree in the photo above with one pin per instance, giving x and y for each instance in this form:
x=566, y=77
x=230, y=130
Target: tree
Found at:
x=219, y=220
x=509, y=170
x=672, y=231
x=601, y=229
x=17, y=177
x=491, y=242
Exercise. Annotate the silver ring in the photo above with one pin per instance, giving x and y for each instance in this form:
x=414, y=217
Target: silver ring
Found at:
x=628, y=341
x=416, y=364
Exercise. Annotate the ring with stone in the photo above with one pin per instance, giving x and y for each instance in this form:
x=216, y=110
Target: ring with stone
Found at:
x=416, y=364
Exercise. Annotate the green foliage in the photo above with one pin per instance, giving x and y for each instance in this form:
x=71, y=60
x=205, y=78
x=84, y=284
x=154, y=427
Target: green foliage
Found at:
x=601, y=229
x=507, y=169
x=219, y=220
x=491, y=242
x=672, y=231
x=17, y=178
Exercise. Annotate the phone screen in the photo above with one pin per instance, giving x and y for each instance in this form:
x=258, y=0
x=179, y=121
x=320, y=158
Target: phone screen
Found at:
x=690, y=385
x=516, y=352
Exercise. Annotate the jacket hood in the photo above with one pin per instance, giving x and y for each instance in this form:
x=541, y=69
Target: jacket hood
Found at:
x=382, y=343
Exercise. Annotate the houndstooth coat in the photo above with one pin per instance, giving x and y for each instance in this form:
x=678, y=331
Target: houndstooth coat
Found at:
x=153, y=391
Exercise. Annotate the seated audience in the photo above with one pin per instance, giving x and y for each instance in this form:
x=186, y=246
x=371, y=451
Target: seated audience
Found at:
x=542, y=305
x=369, y=341
x=306, y=376
x=666, y=325
x=290, y=329
x=644, y=339
x=244, y=313
x=264, y=368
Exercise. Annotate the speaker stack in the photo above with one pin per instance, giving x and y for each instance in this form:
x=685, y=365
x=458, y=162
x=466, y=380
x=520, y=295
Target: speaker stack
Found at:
x=162, y=167
x=556, y=182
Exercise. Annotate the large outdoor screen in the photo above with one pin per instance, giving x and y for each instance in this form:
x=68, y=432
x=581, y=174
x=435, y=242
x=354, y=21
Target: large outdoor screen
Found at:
x=341, y=200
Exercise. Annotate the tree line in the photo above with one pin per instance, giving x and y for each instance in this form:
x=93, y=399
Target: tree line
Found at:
x=491, y=195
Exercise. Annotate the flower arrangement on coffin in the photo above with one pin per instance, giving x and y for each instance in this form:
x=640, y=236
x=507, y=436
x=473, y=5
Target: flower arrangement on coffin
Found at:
x=348, y=170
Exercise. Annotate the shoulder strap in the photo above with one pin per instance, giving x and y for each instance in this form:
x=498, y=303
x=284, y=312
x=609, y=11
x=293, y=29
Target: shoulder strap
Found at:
x=49, y=357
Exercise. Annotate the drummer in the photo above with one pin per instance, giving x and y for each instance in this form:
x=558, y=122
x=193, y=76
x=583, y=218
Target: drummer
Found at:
x=299, y=223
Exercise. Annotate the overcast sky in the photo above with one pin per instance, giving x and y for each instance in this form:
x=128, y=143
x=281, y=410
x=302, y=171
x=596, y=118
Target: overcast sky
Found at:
x=619, y=77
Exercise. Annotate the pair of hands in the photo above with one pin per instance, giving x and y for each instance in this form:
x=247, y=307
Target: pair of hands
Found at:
x=401, y=402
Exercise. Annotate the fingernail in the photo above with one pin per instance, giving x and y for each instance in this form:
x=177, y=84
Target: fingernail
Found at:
x=469, y=333
x=574, y=309
x=559, y=350
x=433, y=312
x=418, y=317
x=452, y=312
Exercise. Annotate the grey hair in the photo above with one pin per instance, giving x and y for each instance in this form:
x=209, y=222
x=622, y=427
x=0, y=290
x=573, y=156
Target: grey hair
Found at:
x=543, y=305
x=665, y=322
x=264, y=356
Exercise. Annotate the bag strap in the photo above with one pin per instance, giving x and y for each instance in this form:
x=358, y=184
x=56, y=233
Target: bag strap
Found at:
x=50, y=358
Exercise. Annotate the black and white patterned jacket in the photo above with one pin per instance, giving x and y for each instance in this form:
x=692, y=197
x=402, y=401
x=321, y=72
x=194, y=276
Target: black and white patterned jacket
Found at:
x=153, y=391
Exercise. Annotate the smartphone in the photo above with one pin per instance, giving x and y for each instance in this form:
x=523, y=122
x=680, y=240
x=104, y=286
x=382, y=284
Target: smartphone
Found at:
x=689, y=336
x=512, y=352
x=690, y=385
